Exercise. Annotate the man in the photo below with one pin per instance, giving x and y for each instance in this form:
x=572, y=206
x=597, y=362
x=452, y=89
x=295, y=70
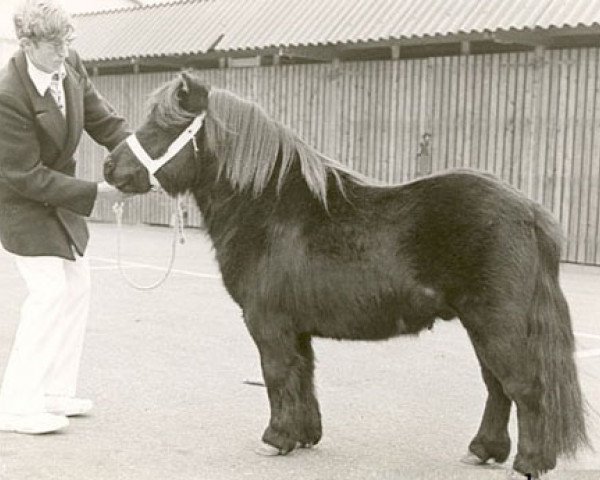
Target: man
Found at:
x=46, y=100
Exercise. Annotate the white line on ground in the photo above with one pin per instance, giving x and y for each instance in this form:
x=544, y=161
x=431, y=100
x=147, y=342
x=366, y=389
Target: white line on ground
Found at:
x=587, y=335
x=154, y=267
x=594, y=352
x=591, y=352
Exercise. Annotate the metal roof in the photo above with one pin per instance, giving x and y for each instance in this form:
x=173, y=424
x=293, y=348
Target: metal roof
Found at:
x=7, y=8
x=157, y=30
x=197, y=26
x=77, y=6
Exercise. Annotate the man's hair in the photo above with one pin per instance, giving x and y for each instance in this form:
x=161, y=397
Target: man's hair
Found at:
x=41, y=20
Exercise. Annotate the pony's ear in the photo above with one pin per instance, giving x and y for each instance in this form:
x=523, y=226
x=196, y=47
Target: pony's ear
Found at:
x=193, y=94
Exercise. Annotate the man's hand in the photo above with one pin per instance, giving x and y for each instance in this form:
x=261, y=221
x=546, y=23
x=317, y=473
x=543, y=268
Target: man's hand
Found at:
x=111, y=194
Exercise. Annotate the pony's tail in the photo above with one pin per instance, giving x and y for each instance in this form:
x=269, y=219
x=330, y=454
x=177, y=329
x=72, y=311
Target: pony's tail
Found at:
x=551, y=346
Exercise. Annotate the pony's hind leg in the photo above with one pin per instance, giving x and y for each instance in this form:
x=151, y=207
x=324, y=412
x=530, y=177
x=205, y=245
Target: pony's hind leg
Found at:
x=287, y=363
x=492, y=440
x=504, y=354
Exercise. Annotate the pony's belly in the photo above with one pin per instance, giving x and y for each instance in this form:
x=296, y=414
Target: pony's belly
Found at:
x=371, y=327
x=379, y=316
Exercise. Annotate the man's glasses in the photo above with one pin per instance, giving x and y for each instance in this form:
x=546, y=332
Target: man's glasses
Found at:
x=59, y=45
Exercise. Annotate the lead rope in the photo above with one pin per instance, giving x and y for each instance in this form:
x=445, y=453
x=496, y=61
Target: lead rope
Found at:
x=178, y=237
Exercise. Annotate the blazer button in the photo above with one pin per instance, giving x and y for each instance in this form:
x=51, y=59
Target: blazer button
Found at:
x=46, y=204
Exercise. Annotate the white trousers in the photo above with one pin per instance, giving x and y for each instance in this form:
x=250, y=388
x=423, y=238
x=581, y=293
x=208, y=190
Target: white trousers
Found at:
x=48, y=344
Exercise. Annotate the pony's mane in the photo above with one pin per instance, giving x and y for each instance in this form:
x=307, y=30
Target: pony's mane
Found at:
x=246, y=142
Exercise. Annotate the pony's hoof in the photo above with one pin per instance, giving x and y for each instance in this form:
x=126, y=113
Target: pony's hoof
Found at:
x=472, y=459
x=514, y=475
x=267, y=450
x=304, y=445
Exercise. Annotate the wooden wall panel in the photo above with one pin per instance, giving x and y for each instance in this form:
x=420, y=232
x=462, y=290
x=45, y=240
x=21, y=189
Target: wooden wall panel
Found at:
x=532, y=118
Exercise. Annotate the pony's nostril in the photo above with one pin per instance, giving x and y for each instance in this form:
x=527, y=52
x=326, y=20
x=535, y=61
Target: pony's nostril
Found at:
x=109, y=167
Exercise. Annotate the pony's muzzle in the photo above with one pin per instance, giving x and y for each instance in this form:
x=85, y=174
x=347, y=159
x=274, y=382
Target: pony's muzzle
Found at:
x=119, y=181
x=108, y=169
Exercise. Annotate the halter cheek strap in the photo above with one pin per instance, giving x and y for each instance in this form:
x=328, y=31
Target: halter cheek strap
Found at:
x=153, y=165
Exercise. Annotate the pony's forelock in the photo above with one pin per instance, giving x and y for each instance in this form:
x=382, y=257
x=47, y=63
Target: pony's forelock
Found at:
x=165, y=108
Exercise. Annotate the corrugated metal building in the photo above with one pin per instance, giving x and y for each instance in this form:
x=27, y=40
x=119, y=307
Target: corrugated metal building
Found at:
x=396, y=89
x=217, y=28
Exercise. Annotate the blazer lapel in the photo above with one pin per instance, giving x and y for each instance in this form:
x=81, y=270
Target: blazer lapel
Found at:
x=45, y=109
x=74, y=102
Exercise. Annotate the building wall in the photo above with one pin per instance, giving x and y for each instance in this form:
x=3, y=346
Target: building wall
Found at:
x=532, y=118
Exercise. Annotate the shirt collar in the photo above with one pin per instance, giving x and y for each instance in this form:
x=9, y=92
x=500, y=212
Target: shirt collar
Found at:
x=42, y=79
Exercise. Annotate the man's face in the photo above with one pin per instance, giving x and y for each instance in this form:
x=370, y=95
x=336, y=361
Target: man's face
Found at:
x=48, y=56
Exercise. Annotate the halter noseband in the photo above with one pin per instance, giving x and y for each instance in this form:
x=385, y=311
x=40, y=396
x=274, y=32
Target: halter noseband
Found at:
x=153, y=165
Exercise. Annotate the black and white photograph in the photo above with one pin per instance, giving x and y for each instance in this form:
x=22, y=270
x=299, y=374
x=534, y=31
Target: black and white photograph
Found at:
x=299, y=239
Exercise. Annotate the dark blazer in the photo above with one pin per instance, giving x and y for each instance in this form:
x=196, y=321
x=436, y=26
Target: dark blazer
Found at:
x=42, y=205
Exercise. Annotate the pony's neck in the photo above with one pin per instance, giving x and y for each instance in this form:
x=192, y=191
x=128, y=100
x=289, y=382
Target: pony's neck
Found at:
x=226, y=209
x=223, y=207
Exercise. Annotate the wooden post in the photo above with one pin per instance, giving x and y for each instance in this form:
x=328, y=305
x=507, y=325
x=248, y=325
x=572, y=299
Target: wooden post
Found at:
x=533, y=156
x=395, y=52
x=424, y=156
x=465, y=47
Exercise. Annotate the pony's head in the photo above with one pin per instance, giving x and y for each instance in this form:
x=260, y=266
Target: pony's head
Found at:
x=173, y=107
x=234, y=140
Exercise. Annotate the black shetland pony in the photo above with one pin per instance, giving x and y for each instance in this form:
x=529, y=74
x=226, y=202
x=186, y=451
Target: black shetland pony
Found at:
x=308, y=248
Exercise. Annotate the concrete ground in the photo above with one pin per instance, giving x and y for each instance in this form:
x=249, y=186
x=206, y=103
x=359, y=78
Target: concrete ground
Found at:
x=166, y=369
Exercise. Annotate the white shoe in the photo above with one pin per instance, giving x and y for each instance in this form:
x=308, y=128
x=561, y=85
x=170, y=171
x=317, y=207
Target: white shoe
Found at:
x=68, y=406
x=32, y=424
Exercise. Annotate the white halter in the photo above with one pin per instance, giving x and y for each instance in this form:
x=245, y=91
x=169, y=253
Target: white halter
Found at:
x=153, y=165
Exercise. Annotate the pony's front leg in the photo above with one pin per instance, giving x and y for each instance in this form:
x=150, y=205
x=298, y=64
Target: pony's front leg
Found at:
x=308, y=413
x=287, y=364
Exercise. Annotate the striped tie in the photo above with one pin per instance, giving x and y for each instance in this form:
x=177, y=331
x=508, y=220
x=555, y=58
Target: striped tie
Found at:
x=57, y=92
